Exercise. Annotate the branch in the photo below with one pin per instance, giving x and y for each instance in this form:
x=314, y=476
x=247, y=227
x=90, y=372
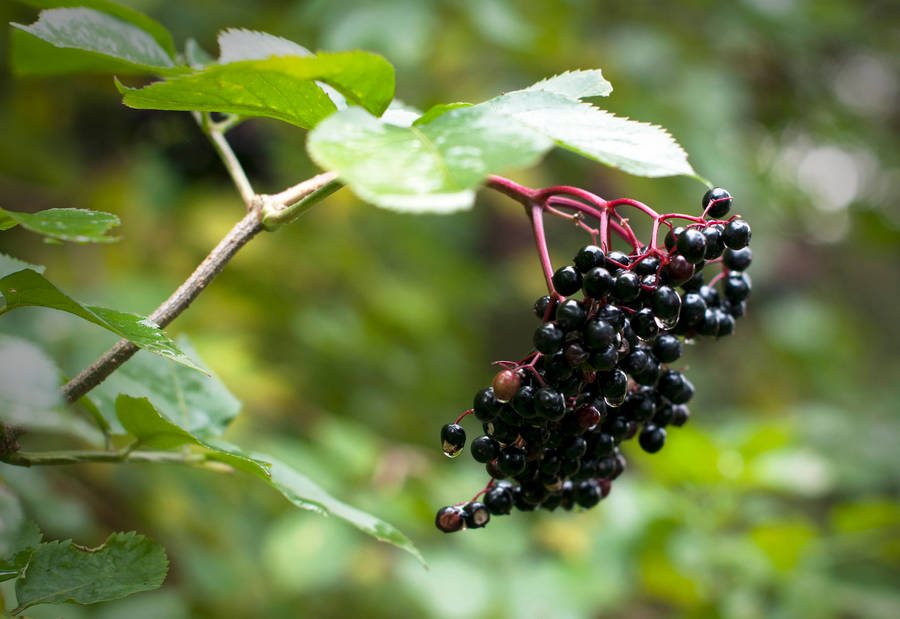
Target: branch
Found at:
x=179, y=301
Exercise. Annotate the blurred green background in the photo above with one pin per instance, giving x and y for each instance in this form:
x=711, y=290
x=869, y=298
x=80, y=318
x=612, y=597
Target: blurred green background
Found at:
x=354, y=334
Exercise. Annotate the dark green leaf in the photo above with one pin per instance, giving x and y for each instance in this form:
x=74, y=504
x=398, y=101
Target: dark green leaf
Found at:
x=30, y=397
x=139, y=417
x=61, y=572
x=151, y=26
x=435, y=165
x=302, y=492
x=199, y=404
x=67, y=224
x=278, y=87
x=83, y=39
x=29, y=288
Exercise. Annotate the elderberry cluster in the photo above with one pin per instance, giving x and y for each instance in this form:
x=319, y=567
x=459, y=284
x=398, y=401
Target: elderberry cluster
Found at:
x=600, y=372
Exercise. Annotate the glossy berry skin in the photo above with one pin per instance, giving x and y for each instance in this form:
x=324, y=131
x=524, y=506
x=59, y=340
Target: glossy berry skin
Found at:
x=541, y=305
x=597, y=282
x=725, y=323
x=500, y=431
x=485, y=405
x=647, y=266
x=710, y=323
x=567, y=280
x=498, y=500
x=636, y=362
x=548, y=338
x=671, y=383
x=575, y=354
x=598, y=334
x=722, y=199
x=505, y=385
x=736, y=234
x=652, y=438
x=587, y=493
x=692, y=245
x=693, y=308
x=588, y=416
x=715, y=244
x=666, y=303
x=737, y=287
x=616, y=258
x=453, y=439
x=667, y=348
x=570, y=315
x=511, y=461
x=672, y=237
x=589, y=257
x=710, y=295
x=678, y=271
x=644, y=324
x=615, y=384
x=613, y=315
x=626, y=286
x=549, y=404
x=604, y=360
x=523, y=401
x=680, y=415
x=737, y=259
x=450, y=519
x=484, y=449
x=476, y=515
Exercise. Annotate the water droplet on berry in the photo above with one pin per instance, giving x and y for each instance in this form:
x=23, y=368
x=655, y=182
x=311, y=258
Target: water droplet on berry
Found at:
x=665, y=324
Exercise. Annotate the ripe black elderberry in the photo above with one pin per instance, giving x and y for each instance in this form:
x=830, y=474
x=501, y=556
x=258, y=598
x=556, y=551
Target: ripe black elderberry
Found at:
x=600, y=373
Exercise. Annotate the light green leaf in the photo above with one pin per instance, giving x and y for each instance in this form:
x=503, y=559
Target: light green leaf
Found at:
x=151, y=26
x=67, y=224
x=195, y=55
x=29, y=393
x=18, y=537
x=279, y=87
x=8, y=265
x=575, y=84
x=64, y=572
x=92, y=40
x=400, y=114
x=305, y=494
x=29, y=288
x=199, y=404
x=236, y=44
x=435, y=165
x=7, y=222
x=430, y=168
x=139, y=417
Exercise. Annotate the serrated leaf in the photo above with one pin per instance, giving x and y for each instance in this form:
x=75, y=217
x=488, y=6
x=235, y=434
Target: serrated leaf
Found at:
x=198, y=403
x=29, y=288
x=305, y=494
x=435, y=165
x=92, y=40
x=575, y=84
x=61, y=572
x=143, y=421
x=236, y=44
x=9, y=264
x=151, y=26
x=430, y=168
x=67, y=224
x=280, y=87
x=29, y=392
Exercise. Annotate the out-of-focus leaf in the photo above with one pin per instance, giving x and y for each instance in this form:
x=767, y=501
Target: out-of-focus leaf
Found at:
x=8, y=265
x=151, y=26
x=18, y=537
x=195, y=55
x=575, y=84
x=198, y=403
x=29, y=288
x=278, y=87
x=236, y=44
x=783, y=542
x=74, y=39
x=61, y=572
x=29, y=392
x=67, y=224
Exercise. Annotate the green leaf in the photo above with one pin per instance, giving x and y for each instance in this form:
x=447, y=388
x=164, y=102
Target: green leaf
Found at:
x=62, y=572
x=199, y=404
x=237, y=44
x=8, y=265
x=435, y=165
x=279, y=87
x=429, y=168
x=139, y=417
x=305, y=494
x=67, y=224
x=30, y=397
x=18, y=538
x=575, y=84
x=29, y=288
x=83, y=39
x=151, y=26
x=196, y=56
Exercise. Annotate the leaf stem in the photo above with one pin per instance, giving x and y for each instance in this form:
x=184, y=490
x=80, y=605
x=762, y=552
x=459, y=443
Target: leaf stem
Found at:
x=216, y=134
x=50, y=458
x=285, y=207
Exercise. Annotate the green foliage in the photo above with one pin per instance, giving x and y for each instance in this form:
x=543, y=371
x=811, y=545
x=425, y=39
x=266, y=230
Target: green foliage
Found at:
x=60, y=572
x=91, y=40
x=64, y=224
x=279, y=87
x=435, y=165
x=29, y=288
